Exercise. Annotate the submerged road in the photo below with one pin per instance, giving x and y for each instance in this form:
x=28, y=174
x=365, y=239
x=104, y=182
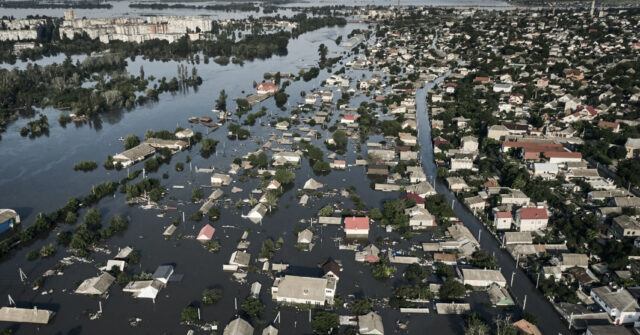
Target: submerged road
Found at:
x=549, y=321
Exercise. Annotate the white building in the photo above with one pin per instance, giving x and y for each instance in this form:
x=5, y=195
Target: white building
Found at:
x=461, y=164
x=502, y=220
x=532, y=218
x=483, y=278
x=304, y=290
x=621, y=306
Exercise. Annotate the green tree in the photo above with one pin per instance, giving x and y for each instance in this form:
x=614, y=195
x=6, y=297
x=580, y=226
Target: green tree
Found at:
x=131, y=141
x=361, y=306
x=221, y=102
x=207, y=147
x=252, y=307
x=118, y=223
x=92, y=219
x=268, y=249
x=325, y=211
x=325, y=323
x=321, y=166
x=197, y=194
x=414, y=272
x=190, y=314
x=482, y=259
x=322, y=51
x=452, y=289
x=64, y=238
x=211, y=297
x=284, y=176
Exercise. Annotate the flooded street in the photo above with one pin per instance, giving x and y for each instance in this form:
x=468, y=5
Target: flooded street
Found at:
x=44, y=180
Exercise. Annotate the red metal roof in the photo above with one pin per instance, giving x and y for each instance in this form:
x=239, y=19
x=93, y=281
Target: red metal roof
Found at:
x=504, y=215
x=359, y=223
x=206, y=233
x=417, y=198
x=533, y=213
x=372, y=259
x=267, y=86
x=349, y=117
x=562, y=154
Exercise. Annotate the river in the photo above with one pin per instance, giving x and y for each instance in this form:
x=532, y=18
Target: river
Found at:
x=121, y=8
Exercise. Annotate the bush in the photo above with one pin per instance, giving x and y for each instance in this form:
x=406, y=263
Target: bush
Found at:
x=85, y=166
x=211, y=297
x=47, y=250
x=179, y=166
x=33, y=255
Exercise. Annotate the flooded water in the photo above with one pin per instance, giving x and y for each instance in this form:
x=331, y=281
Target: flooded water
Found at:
x=121, y=8
x=43, y=180
x=37, y=176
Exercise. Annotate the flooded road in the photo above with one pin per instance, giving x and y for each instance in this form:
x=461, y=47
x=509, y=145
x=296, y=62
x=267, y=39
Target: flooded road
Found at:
x=522, y=286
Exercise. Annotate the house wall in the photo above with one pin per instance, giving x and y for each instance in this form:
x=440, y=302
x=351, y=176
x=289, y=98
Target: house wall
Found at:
x=532, y=225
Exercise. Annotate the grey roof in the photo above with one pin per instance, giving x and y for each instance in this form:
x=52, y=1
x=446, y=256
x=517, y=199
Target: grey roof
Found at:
x=370, y=323
x=27, y=315
x=238, y=327
x=124, y=253
x=627, y=201
x=486, y=275
x=499, y=295
x=271, y=330
x=307, y=288
x=305, y=235
x=608, y=330
x=163, y=272
x=633, y=142
x=138, y=152
x=6, y=214
x=621, y=299
x=518, y=237
x=626, y=222
x=96, y=285
x=575, y=260
x=241, y=258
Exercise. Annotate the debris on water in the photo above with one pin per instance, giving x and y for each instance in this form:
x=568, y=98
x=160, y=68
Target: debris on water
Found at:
x=134, y=321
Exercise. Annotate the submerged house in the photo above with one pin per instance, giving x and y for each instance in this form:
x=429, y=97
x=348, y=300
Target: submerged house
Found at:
x=25, y=315
x=206, y=233
x=96, y=285
x=370, y=324
x=163, y=273
x=134, y=155
x=148, y=289
x=256, y=214
x=304, y=290
x=8, y=219
x=238, y=327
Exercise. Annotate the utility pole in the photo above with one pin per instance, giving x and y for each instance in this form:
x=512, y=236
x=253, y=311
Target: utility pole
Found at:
x=512, y=275
x=479, y=234
x=538, y=280
x=524, y=304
